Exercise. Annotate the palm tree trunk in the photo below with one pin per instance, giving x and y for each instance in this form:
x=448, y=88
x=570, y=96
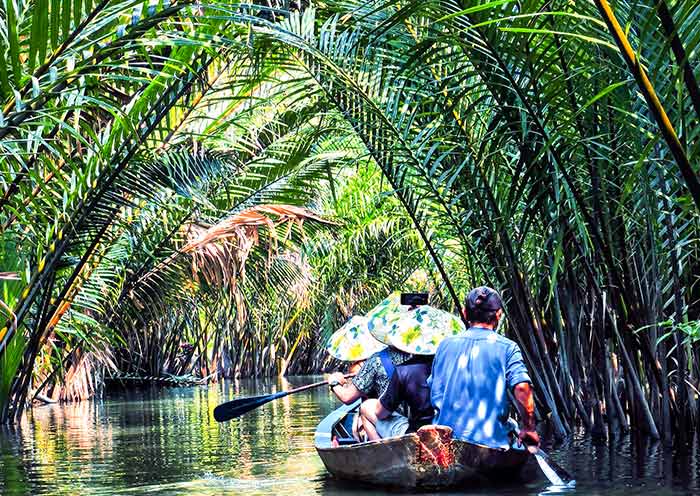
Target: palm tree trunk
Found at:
x=640, y=400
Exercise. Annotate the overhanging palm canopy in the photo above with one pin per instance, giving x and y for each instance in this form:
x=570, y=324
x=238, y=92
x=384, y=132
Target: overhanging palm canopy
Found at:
x=512, y=136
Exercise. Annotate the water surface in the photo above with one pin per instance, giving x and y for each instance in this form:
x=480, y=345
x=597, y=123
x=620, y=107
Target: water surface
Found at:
x=166, y=442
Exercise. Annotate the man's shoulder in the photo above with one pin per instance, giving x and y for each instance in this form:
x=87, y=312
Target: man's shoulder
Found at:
x=451, y=344
x=456, y=342
x=452, y=341
x=500, y=338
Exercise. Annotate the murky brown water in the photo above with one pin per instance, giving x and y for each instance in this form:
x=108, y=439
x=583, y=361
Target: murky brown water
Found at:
x=166, y=442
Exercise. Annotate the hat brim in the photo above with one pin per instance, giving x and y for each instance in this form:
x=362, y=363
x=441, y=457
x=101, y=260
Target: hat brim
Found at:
x=353, y=342
x=421, y=331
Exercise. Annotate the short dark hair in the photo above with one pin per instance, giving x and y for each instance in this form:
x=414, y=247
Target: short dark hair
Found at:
x=481, y=316
x=482, y=304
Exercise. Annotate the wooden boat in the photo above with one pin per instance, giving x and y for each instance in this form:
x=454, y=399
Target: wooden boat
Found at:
x=427, y=459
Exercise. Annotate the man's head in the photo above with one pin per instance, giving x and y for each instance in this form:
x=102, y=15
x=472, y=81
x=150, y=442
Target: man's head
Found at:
x=483, y=306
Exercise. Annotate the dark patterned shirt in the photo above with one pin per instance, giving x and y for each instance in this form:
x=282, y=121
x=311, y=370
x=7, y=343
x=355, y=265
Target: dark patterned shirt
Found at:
x=372, y=380
x=408, y=389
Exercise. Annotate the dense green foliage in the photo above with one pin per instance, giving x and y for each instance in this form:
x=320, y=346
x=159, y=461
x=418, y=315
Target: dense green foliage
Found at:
x=447, y=143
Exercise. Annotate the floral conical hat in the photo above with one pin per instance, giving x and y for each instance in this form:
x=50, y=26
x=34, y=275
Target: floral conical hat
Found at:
x=378, y=318
x=353, y=341
x=421, y=330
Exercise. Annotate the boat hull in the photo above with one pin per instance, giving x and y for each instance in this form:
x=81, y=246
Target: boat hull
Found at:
x=427, y=459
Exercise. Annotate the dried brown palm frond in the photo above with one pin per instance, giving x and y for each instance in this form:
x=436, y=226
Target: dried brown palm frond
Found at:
x=219, y=252
x=249, y=220
x=82, y=380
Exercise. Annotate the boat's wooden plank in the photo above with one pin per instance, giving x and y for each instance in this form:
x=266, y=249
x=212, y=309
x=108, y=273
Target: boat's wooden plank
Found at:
x=385, y=462
x=427, y=459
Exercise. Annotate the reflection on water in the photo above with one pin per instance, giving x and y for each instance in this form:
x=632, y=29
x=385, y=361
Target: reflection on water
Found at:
x=166, y=441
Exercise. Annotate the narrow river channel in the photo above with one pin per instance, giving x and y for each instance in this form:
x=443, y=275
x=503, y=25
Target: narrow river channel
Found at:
x=166, y=442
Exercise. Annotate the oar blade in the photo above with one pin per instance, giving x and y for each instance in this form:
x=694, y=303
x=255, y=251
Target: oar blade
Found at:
x=553, y=472
x=236, y=408
x=556, y=474
x=549, y=471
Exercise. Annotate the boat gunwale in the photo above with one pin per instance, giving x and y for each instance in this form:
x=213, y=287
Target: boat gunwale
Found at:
x=348, y=409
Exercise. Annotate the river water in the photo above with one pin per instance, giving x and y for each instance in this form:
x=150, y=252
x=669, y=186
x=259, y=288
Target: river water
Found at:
x=166, y=442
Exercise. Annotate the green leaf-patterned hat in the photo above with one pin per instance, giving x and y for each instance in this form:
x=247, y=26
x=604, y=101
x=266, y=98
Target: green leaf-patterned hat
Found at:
x=353, y=341
x=421, y=330
x=378, y=318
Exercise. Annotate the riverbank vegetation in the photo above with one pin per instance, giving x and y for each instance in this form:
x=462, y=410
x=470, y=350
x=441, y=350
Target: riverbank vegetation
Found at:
x=204, y=190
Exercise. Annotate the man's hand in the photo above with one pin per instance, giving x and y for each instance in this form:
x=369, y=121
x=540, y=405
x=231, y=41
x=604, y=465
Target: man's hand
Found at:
x=348, y=393
x=529, y=438
x=337, y=377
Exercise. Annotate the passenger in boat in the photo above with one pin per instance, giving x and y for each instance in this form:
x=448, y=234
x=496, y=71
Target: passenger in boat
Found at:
x=373, y=364
x=370, y=382
x=408, y=386
x=472, y=374
x=372, y=378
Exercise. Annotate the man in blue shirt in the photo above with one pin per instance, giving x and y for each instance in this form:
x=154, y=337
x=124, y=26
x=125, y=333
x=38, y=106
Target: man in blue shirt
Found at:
x=472, y=373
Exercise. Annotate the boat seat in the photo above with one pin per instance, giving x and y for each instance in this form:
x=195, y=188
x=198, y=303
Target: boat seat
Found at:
x=345, y=441
x=344, y=428
x=344, y=432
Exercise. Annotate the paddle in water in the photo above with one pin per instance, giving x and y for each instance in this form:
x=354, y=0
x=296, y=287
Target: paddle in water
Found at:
x=556, y=475
x=235, y=408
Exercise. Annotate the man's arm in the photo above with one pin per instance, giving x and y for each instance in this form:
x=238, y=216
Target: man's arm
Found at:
x=525, y=403
x=344, y=390
x=518, y=378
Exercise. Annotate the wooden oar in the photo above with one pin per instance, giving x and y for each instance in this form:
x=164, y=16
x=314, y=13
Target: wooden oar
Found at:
x=236, y=408
x=556, y=474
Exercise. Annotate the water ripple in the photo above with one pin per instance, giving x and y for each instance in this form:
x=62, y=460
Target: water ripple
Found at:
x=167, y=442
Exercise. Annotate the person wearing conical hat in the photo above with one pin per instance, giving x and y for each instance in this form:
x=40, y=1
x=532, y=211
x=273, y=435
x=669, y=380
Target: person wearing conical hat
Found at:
x=355, y=342
x=374, y=376
x=472, y=374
